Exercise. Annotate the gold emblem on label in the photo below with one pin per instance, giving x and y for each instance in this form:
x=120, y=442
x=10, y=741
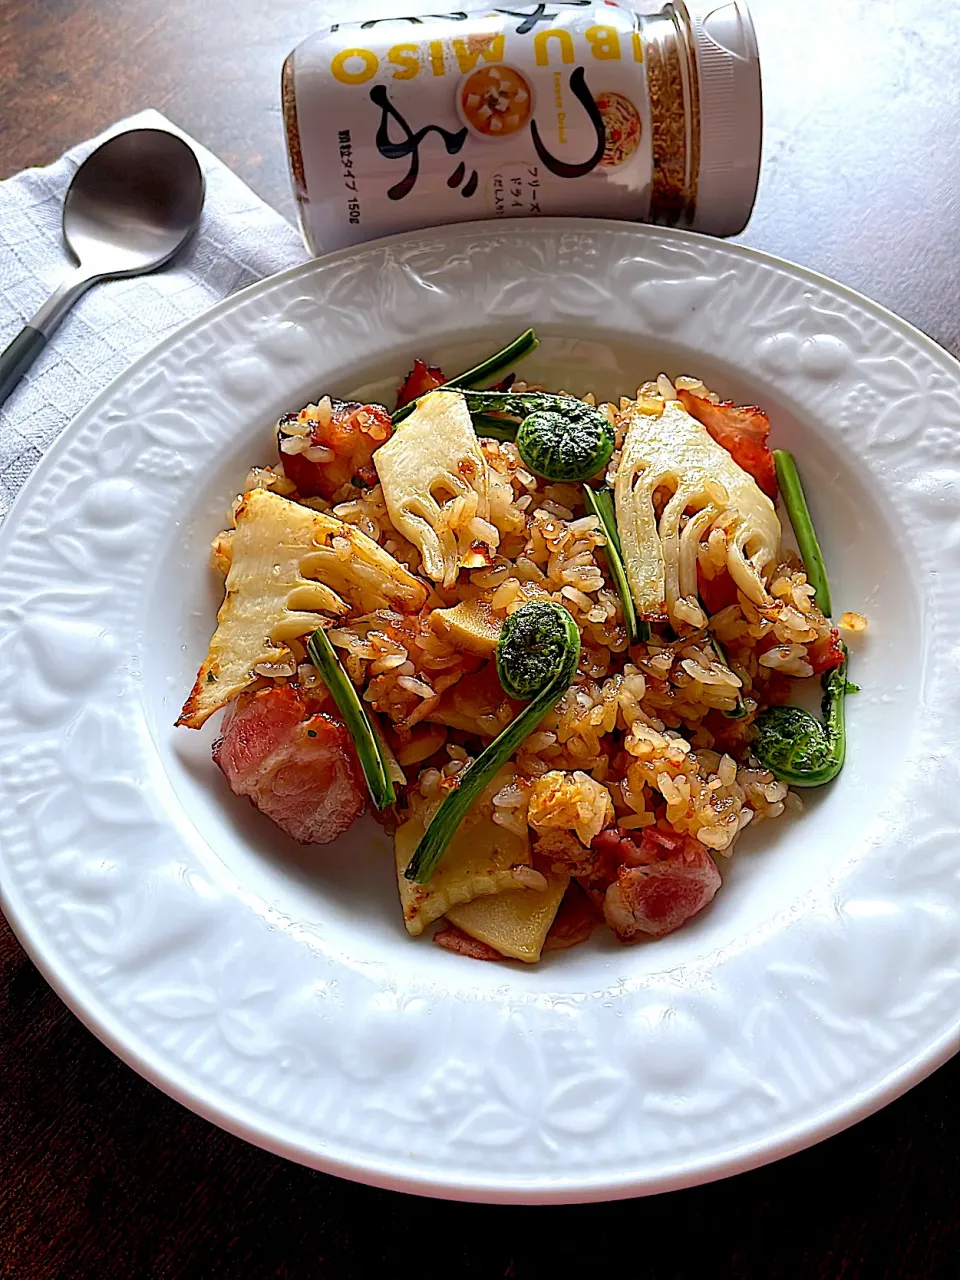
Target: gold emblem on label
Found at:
x=621, y=122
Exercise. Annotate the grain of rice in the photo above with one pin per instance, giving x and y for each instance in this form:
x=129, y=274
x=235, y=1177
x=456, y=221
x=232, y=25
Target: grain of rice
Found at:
x=586, y=524
x=782, y=657
x=484, y=531
x=490, y=577
x=529, y=878
x=318, y=453
x=443, y=663
x=426, y=708
x=308, y=677
x=527, y=571
x=853, y=622
x=505, y=594
x=554, y=509
x=584, y=579
x=275, y=670
x=413, y=685
x=512, y=796
x=687, y=610
x=430, y=782
x=324, y=411
x=578, y=597
x=388, y=663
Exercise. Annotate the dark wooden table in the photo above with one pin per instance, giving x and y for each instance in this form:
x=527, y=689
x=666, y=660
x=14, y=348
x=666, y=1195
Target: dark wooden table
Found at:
x=101, y=1175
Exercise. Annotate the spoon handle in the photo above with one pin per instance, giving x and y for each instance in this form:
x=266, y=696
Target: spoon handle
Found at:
x=32, y=338
x=18, y=357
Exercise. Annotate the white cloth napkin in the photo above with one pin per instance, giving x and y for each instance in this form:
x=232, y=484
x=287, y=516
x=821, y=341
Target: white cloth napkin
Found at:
x=240, y=240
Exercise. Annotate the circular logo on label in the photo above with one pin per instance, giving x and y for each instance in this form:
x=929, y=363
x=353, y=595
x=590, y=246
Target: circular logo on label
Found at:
x=621, y=122
x=495, y=102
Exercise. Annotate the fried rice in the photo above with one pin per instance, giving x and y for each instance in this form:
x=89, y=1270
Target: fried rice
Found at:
x=653, y=736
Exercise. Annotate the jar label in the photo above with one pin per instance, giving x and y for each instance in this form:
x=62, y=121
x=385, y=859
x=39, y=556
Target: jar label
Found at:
x=412, y=122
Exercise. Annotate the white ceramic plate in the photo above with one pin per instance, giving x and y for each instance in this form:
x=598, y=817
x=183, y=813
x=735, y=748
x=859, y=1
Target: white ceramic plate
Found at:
x=273, y=989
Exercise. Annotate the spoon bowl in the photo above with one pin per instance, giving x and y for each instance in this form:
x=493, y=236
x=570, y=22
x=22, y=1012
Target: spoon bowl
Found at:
x=132, y=205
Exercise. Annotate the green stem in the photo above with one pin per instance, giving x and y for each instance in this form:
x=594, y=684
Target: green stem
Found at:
x=485, y=371
x=498, y=363
x=799, y=513
x=741, y=708
x=451, y=813
x=599, y=502
x=457, y=803
x=372, y=762
x=799, y=749
x=832, y=708
x=496, y=428
x=519, y=404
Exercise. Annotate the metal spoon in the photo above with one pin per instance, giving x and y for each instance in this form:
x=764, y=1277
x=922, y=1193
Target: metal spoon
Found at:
x=131, y=206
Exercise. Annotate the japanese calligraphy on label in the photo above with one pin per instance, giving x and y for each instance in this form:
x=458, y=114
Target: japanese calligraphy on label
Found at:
x=411, y=122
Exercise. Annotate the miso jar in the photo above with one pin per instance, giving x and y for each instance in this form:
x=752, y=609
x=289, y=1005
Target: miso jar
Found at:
x=579, y=108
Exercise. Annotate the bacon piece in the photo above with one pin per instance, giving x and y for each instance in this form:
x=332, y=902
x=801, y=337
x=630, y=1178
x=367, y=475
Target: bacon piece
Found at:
x=740, y=429
x=825, y=654
x=352, y=435
x=295, y=763
x=653, y=899
x=659, y=843
x=422, y=378
x=609, y=851
x=573, y=923
x=619, y=849
x=615, y=848
x=453, y=939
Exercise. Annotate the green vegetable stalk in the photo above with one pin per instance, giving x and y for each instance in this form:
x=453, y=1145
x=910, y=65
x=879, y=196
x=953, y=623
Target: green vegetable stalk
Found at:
x=496, y=428
x=599, y=502
x=369, y=750
x=485, y=371
x=796, y=504
x=795, y=746
x=558, y=437
x=537, y=656
x=740, y=710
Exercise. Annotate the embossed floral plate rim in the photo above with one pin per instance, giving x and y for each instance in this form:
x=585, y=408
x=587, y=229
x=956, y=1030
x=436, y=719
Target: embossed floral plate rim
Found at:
x=563, y=1109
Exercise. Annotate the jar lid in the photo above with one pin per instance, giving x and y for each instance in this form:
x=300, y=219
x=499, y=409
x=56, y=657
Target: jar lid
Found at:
x=731, y=114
